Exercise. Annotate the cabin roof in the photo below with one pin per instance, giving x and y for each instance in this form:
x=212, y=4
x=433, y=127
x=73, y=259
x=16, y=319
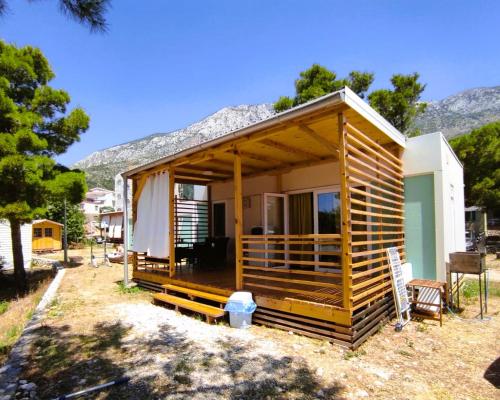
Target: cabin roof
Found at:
x=39, y=221
x=342, y=98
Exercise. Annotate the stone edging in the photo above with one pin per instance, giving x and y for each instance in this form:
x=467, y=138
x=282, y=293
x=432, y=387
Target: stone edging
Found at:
x=9, y=373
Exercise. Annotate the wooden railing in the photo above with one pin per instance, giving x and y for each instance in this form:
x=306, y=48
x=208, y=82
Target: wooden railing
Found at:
x=306, y=267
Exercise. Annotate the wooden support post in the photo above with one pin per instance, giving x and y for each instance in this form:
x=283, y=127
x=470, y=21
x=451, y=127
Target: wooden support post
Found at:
x=171, y=220
x=134, y=219
x=345, y=203
x=209, y=211
x=238, y=220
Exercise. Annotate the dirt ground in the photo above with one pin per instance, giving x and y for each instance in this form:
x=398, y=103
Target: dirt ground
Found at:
x=95, y=331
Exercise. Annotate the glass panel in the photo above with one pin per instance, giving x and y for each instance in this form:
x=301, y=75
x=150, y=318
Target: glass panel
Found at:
x=329, y=212
x=329, y=221
x=275, y=215
x=48, y=232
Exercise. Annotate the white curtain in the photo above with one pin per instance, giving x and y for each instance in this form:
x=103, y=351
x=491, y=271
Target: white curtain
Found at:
x=152, y=224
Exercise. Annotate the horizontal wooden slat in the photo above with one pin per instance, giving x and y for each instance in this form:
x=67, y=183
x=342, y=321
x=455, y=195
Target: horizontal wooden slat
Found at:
x=369, y=272
x=280, y=251
x=391, y=158
x=304, y=242
x=376, y=161
x=397, y=180
x=294, y=271
x=374, y=196
x=376, y=223
x=296, y=281
x=375, y=205
x=297, y=291
x=353, y=170
x=372, y=214
x=361, y=182
x=367, y=292
x=382, y=293
x=369, y=282
x=305, y=236
x=366, y=242
x=371, y=252
x=325, y=264
x=376, y=233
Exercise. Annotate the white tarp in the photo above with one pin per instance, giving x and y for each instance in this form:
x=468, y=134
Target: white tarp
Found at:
x=105, y=221
x=152, y=224
x=115, y=226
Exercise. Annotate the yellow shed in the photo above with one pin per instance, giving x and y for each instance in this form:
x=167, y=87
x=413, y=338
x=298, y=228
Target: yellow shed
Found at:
x=47, y=235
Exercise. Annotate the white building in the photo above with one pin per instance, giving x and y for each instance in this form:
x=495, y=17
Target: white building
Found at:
x=6, y=256
x=96, y=201
x=119, y=193
x=434, y=205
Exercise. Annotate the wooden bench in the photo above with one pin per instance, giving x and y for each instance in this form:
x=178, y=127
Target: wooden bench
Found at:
x=193, y=294
x=210, y=312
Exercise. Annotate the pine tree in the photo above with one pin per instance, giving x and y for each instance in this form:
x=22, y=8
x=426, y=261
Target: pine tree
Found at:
x=34, y=126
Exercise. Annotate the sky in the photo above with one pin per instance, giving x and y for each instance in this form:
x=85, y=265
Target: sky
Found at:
x=164, y=64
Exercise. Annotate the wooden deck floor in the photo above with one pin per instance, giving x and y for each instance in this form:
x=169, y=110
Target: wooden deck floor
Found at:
x=224, y=278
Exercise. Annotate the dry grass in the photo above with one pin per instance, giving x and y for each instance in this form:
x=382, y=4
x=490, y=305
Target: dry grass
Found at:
x=92, y=335
x=16, y=311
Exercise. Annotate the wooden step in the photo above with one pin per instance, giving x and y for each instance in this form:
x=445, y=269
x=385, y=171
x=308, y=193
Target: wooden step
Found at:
x=210, y=312
x=193, y=293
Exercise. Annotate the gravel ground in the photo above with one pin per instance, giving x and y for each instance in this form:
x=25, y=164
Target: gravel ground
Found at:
x=96, y=332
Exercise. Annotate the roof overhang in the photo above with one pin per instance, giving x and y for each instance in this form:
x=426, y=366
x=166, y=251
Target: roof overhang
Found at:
x=344, y=99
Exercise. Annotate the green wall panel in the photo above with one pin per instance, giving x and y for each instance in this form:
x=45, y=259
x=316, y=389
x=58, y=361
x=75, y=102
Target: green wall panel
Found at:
x=420, y=227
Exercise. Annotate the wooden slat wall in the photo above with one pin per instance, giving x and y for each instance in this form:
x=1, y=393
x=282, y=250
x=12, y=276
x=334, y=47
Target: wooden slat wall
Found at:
x=375, y=201
x=197, y=230
x=284, y=264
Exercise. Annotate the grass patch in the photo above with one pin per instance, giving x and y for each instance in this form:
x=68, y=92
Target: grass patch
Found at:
x=353, y=354
x=122, y=289
x=404, y=353
x=4, y=306
x=470, y=289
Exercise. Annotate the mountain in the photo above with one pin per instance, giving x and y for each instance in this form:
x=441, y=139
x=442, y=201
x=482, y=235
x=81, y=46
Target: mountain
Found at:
x=453, y=116
x=462, y=112
x=101, y=166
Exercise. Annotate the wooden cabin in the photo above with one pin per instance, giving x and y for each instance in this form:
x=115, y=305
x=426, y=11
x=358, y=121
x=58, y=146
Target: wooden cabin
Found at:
x=47, y=235
x=300, y=209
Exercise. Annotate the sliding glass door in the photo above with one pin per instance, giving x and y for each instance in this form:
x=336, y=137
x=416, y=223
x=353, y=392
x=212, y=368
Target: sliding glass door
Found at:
x=327, y=220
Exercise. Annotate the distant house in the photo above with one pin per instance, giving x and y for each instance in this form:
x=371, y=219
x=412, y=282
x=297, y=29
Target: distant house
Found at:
x=96, y=201
x=47, y=235
x=476, y=220
x=119, y=193
x=6, y=258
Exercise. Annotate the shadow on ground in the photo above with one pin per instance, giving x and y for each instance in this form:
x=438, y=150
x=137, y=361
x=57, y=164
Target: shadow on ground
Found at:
x=35, y=279
x=492, y=373
x=167, y=365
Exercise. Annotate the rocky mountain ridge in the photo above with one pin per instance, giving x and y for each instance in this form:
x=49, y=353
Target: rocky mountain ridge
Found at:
x=454, y=115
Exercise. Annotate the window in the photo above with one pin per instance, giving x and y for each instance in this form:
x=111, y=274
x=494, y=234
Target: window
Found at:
x=37, y=232
x=219, y=219
x=328, y=212
x=48, y=232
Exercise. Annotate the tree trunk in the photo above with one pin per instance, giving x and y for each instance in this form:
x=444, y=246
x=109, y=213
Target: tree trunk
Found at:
x=17, y=253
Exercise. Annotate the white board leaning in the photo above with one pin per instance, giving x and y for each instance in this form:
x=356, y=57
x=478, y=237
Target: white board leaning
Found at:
x=399, y=288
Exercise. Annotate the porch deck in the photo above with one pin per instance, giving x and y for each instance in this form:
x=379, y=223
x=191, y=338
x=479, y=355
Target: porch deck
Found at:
x=223, y=280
